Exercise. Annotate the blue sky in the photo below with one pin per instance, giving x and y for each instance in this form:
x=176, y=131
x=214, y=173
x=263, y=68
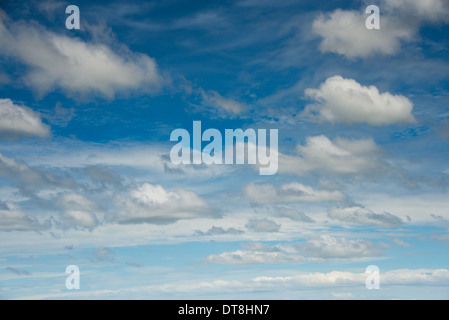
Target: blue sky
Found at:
x=86, y=177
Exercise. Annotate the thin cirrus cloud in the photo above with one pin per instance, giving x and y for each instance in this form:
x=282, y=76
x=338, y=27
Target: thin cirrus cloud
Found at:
x=346, y=101
x=290, y=192
x=221, y=106
x=78, y=68
x=340, y=156
x=344, y=32
x=20, y=121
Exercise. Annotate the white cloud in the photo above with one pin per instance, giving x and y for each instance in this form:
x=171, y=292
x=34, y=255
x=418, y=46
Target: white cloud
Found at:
x=256, y=253
x=291, y=192
x=153, y=204
x=77, y=67
x=341, y=156
x=344, y=31
x=342, y=295
x=263, y=225
x=360, y=215
x=345, y=100
x=17, y=121
x=327, y=247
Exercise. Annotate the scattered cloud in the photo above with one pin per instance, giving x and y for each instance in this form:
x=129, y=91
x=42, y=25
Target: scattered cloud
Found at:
x=20, y=121
x=104, y=254
x=285, y=211
x=291, y=192
x=345, y=100
x=223, y=107
x=344, y=31
x=153, y=204
x=77, y=67
x=360, y=215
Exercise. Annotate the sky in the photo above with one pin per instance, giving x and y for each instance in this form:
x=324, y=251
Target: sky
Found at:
x=86, y=176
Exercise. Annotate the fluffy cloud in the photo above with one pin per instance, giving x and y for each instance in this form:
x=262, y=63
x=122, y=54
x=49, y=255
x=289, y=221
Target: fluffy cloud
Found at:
x=341, y=156
x=77, y=67
x=263, y=225
x=20, y=121
x=291, y=192
x=256, y=253
x=328, y=247
x=364, y=216
x=153, y=204
x=285, y=211
x=345, y=100
x=344, y=32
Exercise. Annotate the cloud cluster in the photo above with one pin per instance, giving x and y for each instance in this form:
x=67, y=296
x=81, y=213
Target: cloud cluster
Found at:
x=13, y=219
x=20, y=121
x=347, y=101
x=77, y=67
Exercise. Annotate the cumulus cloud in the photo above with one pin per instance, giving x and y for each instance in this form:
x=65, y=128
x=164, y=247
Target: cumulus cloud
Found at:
x=341, y=156
x=223, y=107
x=153, y=204
x=344, y=31
x=360, y=215
x=78, y=68
x=328, y=247
x=291, y=192
x=263, y=225
x=20, y=121
x=256, y=253
x=347, y=101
